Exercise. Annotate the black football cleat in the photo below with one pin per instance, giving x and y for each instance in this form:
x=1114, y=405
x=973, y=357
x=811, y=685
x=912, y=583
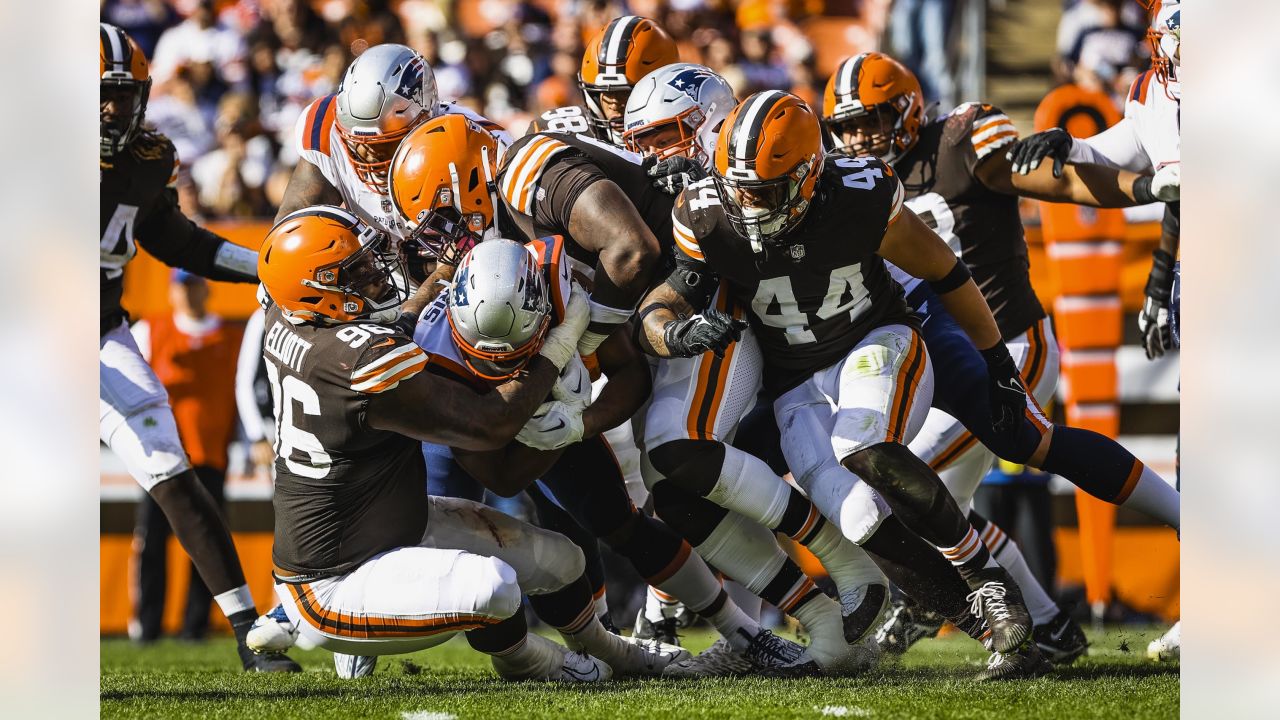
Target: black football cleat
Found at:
x=266, y=662
x=995, y=597
x=1024, y=663
x=1061, y=639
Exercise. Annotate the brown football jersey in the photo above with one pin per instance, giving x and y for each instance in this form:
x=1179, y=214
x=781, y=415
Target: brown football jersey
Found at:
x=818, y=293
x=981, y=225
x=344, y=491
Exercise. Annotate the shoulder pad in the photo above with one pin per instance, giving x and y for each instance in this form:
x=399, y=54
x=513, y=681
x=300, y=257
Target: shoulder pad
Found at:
x=388, y=359
x=1138, y=90
x=315, y=124
x=523, y=166
x=555, y=270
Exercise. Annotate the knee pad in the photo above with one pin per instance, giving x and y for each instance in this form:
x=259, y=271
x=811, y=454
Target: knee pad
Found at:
x=504, y=591
x=692, y=516
x=557, y=562
x=692, y=464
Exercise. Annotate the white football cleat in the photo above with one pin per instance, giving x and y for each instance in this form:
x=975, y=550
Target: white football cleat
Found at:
x=719, y=660
x=552, y=661
x=272, y=633
x=350, y=667
x=631, y=656
x=1168, y=646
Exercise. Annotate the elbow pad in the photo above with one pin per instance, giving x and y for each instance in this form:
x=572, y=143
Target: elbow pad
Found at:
x=602, y=315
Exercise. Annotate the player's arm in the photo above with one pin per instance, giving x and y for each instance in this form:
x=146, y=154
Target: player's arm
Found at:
x=629, y=385
x=912, y=246
x=506, y=472
x=175, y=240
x=307, y=186
x=1085, y=184
x=604, y=221
x=430, y=289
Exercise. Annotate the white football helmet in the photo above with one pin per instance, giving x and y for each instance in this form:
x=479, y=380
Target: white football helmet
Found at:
x=385, y=93
x=677, y=110
x=1165, y=37
x=499, y=308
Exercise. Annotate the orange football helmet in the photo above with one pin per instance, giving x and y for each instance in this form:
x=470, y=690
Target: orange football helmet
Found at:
x=322, y=264
x=442, y=186
x=125, y=83
x=875, y=97
x=767, y=161
x=628, y=48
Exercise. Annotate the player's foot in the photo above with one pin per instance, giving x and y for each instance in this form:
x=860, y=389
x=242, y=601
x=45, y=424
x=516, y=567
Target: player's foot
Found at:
x=632, y=656
x=1167, y=647
x=861, y=611
x=773, y=656
x=266, y=662
x=1022, y=664
x=997, y=599
x=719, y=660
x=906, y=624
x=543, y=659
x=1061, y=639
x=350, y=667
x=272, y=633
x=664, y=630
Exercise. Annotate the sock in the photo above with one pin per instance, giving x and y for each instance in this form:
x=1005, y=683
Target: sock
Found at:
x=732, y=624
x=848, y=565
x=689, y=579
x=659, y=606
x=745, y=551
x=1103, y=468
x=501, y=638
x=567, y=609
x=746, y=485
x=1009, y=556
x=601, y=603
x=531, y=658
x=235, y=600
x=821, y=617
x=969, y=555
x=747, y=601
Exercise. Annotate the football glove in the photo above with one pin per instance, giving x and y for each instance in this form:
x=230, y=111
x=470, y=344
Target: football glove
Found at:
x=1154, y=320
x=673, y=174
x=561, y=344
x=1006, y=389
x=1027, y=153
x=573, y=387
x=553, y=426
x=711, y=330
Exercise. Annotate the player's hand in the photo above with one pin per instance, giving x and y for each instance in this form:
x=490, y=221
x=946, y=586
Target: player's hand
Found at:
x=553, y=426
x=1166, y=184
x=573, y=387
x=711, y=330
x=561, y=343
x=452, y=251
x=1154, y=320
x=673, y=174
x=1007, y=391
x=1027, y=153
x=262, y=454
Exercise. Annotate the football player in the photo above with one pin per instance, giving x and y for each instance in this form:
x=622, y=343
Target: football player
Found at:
x=956, y=180
x=424, y=187
x=842, y=353
x=366, y=564
x=139, y=206
x=616, y=58
x=1147, y=139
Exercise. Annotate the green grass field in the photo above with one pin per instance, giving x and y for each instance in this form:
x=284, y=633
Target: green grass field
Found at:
x=203, y=681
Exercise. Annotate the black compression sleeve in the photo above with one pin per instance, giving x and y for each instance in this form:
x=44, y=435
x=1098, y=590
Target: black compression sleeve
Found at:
x=958, y=275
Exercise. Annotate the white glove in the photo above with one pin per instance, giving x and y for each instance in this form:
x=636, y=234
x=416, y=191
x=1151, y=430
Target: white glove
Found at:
x=573, y=387
x=553, y=426
x=561, y=343
x=1166, y=184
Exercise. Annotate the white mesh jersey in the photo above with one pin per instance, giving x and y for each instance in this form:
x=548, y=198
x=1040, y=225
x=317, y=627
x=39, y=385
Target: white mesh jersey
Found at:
x=1148, y=138
x=318, y=142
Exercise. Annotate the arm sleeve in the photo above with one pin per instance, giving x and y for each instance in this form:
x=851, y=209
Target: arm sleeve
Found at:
x=692, y=277
x=177, y=241
x=247, y=365
x=1117, y=147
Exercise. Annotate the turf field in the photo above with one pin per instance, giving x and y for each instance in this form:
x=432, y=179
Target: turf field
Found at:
x=180, y=680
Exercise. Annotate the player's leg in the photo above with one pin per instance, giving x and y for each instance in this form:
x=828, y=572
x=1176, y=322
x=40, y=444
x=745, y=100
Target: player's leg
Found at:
x=137, y=424
x=555, y=518
x=151, y=542
x=550, y=570
x=195, y=617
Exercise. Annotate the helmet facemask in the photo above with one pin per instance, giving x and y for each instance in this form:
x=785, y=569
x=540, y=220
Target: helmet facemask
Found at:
x=764, y=211
x=670, y=137
x=371, y=152
x=611, y=129
x=883, y=126
x=371, y=280
x=129, y=99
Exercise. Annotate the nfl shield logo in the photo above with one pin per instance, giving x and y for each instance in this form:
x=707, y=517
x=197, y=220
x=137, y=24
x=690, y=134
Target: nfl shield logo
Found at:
x=797, y=252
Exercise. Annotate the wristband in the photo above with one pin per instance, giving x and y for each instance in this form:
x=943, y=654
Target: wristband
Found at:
x=957, y=276
x=1160, y=279
x=1142, y=191
x=996, y=355
x=236, y=259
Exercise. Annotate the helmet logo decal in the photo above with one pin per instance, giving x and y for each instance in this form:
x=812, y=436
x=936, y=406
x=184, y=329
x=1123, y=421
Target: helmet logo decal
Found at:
x=690, y=81
x=411, y=81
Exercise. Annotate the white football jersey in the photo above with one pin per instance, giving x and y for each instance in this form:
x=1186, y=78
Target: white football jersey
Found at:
x=319, y=143
x=1148, y=138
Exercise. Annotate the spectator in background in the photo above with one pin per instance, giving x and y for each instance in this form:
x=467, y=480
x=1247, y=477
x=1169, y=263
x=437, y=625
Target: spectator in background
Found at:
x=232, y=178
x=919, y=30
x=760, y=66
x=176, y=113
x=190, y=350
x=200, y=39
x=1081, y=18
x=1108, y=60
x=144, y=20
x=453, y=80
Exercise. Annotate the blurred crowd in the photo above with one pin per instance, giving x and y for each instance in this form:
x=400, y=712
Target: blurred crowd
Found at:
x=1102, y=46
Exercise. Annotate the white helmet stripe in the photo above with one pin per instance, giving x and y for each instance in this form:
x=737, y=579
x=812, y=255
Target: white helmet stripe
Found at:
x=617, y=40
x=117, y=51
x=849, y=76
x=746, y=131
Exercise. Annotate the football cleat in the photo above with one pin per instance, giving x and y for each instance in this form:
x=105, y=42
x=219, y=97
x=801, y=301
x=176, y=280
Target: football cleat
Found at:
x=556, y=662
x=266, y=662
x=354, y=666
x=773, y=656
x=1167, y=647
x=719, y=660
x=1061, y=639
x=995, y=597
x=272, y=633
x=664, y=630
x=632, y=656
x=905, y=625
x=1023, y=663
x=862, y=611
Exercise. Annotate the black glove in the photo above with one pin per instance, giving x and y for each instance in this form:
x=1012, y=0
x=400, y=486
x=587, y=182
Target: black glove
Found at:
x=1008, y=393
x=1027, y=153
x=712, y=330
x=673, y=174
x=1153, y=321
